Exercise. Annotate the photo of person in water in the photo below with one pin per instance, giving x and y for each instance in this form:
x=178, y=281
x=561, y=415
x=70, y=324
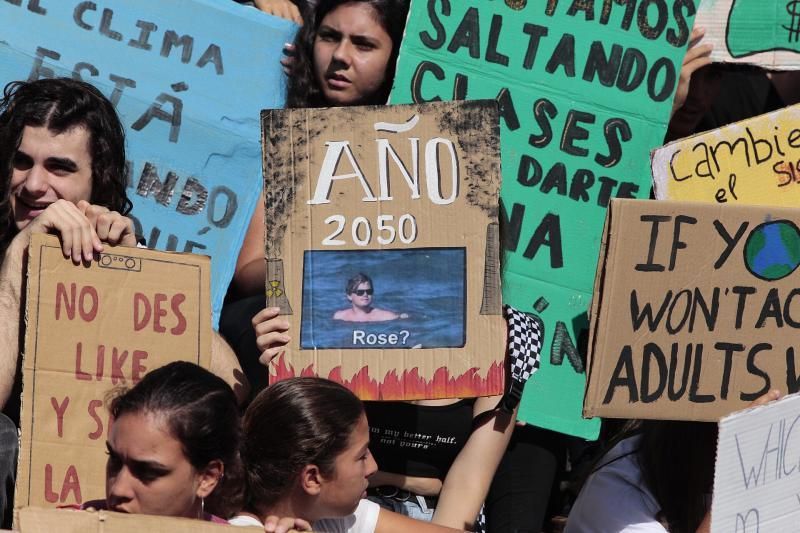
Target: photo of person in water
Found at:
x=383, y=299
x=360, y=292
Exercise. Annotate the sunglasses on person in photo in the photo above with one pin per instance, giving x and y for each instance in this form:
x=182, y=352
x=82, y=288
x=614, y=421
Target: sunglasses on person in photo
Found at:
x=362, y=292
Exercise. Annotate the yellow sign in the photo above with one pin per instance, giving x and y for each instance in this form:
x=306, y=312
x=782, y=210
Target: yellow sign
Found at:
x=756, y=161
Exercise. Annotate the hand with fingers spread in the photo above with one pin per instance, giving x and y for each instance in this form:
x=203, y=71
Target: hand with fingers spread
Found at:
x=697, y=56
x=271, y=336
x=284, y=9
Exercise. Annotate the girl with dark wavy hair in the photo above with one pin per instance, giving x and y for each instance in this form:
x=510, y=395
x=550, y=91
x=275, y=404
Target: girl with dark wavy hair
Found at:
x=345, y=55
x=346, y=52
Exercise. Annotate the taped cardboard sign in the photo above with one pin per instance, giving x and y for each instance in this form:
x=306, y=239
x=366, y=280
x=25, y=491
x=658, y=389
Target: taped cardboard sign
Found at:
x=765, y=33
x=36, y=520
x=756, y=472
x=695, y=310
x=585, y=90
x=755, y=161
x=90, y=329
x=382, y=246
x=193, y=151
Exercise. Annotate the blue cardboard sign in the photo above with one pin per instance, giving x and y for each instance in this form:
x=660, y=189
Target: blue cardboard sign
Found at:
x=188, y=78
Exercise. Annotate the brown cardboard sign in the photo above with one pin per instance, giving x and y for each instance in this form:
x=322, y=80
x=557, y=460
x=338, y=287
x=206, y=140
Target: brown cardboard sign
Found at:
x=695, y=311
x=382, y=246
x=37, y=520
x=90, y=329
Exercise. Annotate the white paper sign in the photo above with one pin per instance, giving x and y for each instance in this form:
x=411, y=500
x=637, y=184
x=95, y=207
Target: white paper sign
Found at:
x=757, y=477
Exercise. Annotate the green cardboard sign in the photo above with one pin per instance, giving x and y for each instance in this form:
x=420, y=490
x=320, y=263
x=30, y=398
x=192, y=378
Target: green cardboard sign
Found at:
x=585, y=90
x=756, y=26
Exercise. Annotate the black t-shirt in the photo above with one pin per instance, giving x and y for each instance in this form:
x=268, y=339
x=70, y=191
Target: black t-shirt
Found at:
x=417, y=440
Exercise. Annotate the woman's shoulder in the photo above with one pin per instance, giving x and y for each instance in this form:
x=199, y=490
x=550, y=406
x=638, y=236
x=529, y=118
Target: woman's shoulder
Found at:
x=245, y=520
x=363, y=520
x=615, y=496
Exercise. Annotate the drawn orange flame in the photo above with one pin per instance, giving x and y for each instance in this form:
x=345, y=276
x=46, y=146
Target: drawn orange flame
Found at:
x=410, y=385
x=283, y=370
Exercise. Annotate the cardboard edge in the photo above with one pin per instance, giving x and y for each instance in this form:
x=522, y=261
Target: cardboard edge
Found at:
x=22, y=481
x=597, y=303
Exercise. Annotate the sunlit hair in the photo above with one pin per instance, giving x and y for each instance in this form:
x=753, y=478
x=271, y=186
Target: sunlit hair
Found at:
x=60, y=105
x=199, y=410
x=291, y=424
x=303, y=88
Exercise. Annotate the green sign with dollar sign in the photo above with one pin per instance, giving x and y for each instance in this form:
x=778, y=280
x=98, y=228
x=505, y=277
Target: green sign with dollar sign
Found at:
x=584, y=90
x=756, y=26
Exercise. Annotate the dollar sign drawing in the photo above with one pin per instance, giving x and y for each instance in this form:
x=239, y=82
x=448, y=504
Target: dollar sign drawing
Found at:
x=794, y=25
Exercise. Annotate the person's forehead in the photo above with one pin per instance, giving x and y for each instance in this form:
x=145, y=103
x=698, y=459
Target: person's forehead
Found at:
x=358, y=18
x=41, y=141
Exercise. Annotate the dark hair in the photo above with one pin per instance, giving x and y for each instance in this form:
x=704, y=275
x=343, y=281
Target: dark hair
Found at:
x=677, y=463
x=355, y=281
x=61, y=104
x=200, y=411
x=303, y=86
x=291, y=424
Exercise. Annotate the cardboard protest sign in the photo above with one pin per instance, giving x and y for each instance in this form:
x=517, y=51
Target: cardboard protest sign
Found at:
x=766, y=32
x=755, y=477
x=188, y=90
x=585, y=91
x=36, y=520
x=90, y=329
x=382, y=247
x=694, y=310
x=755, y=161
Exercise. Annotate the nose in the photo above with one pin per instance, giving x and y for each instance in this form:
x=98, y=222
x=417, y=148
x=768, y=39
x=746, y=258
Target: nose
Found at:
x=343, y=51
x=119, y=488
x=36, y=182
x=372, y=466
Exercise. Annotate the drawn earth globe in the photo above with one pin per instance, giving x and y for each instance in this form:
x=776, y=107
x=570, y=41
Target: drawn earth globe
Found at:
x=772, y=250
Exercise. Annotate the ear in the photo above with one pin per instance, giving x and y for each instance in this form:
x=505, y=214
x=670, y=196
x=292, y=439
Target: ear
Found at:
x=210, y=477
x=311, y=480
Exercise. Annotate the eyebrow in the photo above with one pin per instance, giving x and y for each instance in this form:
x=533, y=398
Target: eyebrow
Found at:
x=356, y=38
x=363, y=39
x=63, y=162
x=135, y=463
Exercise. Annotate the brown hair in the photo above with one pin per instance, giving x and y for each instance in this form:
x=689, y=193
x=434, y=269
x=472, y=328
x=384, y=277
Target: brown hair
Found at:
x=200, y=411
x=355, y=281
x=291, y=424
x=61, y=104
x=303, y=86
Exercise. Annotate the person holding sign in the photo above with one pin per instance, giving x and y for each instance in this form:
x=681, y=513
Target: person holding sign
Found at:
x=306, y=452
x=359, y=292
x=345, y=55
x=62, y=158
